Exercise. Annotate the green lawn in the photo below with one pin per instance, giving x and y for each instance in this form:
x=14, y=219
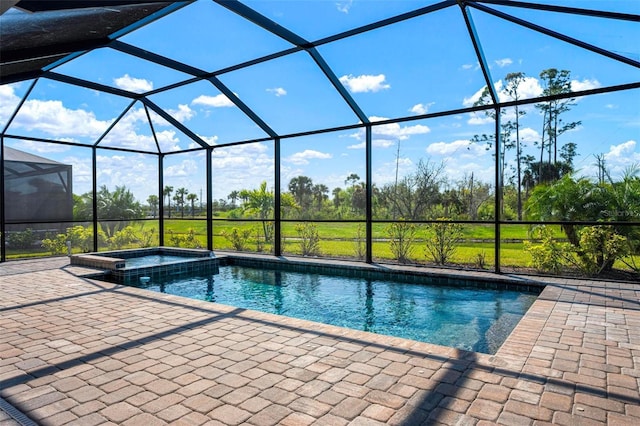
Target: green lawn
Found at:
x=338, y=239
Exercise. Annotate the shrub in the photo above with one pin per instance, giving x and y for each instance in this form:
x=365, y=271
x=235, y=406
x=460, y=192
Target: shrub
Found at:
x=188, y=240
x=359, y=243
x=55, y=244
x=549, y=255
x=442, y=240
x=481, y=260
x=21, y=239
x=401, y=235
x=597, y=249
x=148, y=239
x=260, y=242
x=122, y=238
x=82, y=237
x=309, y=239
x=238, y=238
x=600, y=246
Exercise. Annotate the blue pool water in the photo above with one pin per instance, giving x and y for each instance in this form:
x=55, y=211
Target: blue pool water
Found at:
x=467, y=318
x=153, y=259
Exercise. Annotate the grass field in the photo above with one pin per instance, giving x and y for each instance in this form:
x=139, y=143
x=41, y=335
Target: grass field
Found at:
x=476, y=248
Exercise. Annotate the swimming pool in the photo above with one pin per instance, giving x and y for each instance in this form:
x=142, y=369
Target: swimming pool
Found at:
x=464, y=317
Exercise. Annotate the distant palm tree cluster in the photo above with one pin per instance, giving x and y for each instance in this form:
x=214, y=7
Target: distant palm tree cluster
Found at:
x=180, y=198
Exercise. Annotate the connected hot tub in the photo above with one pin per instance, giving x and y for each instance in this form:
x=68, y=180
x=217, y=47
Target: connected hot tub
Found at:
x=129, y=266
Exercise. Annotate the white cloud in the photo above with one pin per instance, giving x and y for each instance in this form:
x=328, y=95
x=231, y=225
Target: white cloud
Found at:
x=182, y=114
x=39, y=147
x=301, y=158
x=386, y=174
x=467, y=66
x=8, y=101
x=585, y=84
x=132, y=84
x=168, y=140
x=184, y=168
x=528, y=135
x=479, y=118
x=386, y=135
x=468, y=102
x=364, y=83
x=82, y=173
x=376, y=143
x=503, y=62
x=624, y=153
x=382, y=143
x=419, y=109
x=360, y=145
x=211, y=140
x=54, y=119
x=278, y=91
x=156, y=119
x=133, y=131
x=528, y=88
x=457, y=171
x=617, y=160
x=139, y=115
x=457, y=149
x=133, y=170
x=218, y=101
x=396, y=131
x=344, y=6
x=241, y=167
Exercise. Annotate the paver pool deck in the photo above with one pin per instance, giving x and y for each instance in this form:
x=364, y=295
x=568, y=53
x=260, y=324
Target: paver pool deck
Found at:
x=79, y=351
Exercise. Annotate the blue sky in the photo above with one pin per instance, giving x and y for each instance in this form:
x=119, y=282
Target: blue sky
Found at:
x=422, y=65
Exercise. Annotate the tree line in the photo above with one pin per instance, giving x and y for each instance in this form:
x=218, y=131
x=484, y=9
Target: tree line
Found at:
x=554, y=159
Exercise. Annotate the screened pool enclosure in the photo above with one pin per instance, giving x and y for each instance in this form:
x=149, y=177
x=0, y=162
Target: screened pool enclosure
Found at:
x=490, y=134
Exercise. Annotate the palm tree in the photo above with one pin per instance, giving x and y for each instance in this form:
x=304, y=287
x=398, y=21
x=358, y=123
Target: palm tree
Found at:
x=152, y=200
x=260, y=202
x=167, y=193
x=336, y=197
x=192, y=198
x=233, y=196
x=301, y=188
x=179, y=198
x=566, y=200
x=119, y=205
x=572, y=199
x=320, y=193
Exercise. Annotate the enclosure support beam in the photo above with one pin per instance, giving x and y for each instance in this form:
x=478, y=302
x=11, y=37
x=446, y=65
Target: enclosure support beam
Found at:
x=477, y=46
x=277, y=215
x=563, y=37
x=94, y=201
x=209, y=199
x=3, y=230
x=3, y=227
x=369, y=205
x=161, y=197
x=497, y=213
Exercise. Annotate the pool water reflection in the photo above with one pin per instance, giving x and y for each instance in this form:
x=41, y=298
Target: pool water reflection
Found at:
x=463, y=317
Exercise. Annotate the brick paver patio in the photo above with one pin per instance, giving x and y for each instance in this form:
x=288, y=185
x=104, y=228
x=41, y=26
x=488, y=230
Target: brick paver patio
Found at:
x=83, y=352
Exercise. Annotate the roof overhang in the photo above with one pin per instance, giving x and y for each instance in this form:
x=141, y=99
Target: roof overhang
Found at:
x=37, y=35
